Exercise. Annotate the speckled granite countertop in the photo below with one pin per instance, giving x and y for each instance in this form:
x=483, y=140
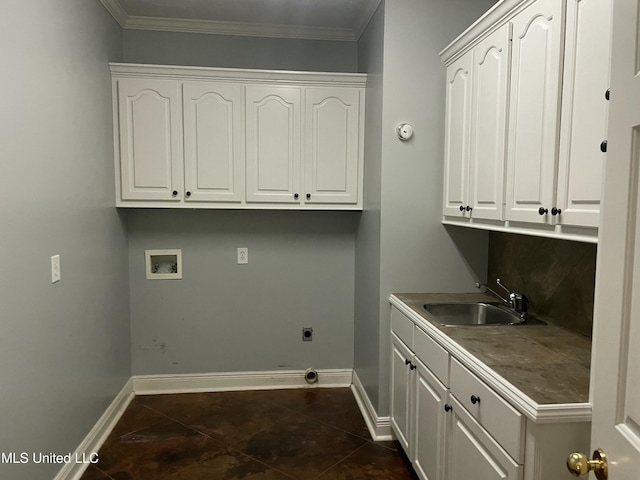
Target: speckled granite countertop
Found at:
x=548, y=364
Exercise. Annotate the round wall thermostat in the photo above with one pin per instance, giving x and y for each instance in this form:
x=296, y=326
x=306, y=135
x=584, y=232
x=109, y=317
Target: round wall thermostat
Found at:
x=405, y=131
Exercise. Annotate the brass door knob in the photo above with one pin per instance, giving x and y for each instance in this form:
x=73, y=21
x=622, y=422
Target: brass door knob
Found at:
x=579, y=465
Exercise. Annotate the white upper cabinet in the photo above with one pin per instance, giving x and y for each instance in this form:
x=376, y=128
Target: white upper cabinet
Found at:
x=584, y=111
x=538, y=115
x=491, y=60
x=477, y=93
x=149, y=132
x=535, y=110
x=213, y=142
x=190, y=137
x=273, y=144
x=333, y=153
x=458, y=118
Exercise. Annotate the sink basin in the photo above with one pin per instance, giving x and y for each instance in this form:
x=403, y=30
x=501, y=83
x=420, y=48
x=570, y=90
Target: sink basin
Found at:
x=476, y=313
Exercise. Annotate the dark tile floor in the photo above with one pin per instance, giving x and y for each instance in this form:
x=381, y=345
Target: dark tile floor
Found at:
x=299, y=434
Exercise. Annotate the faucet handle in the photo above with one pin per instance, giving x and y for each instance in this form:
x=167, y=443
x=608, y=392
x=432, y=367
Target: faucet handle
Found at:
x=499, y=282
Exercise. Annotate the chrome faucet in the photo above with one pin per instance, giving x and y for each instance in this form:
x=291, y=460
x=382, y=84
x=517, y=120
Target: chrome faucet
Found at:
x=516, y=301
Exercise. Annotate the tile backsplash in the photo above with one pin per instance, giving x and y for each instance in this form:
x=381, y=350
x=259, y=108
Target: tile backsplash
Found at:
x=558, y=276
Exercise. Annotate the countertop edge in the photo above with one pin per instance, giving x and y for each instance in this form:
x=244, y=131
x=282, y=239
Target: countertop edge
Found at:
x=538, y=413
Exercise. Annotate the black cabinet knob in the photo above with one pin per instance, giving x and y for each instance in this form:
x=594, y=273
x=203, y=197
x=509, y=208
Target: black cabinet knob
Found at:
x=407, y=361
x=295, y=195
x=556, y=211
x=447, y=407
x=174, y=193
x=412, y=366
x=542, y=211
x=308, y=196
x=607, y=94
x=462, y=208
x=475, y=399
x=468, y=208
x=603, y=146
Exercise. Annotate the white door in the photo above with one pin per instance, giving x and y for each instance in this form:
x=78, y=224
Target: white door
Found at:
x=213, y=142
x=490, y=76
x=149, y=128
x=332, y=145
x=615, y=389
x=534, y=111
x=458, y=123
x=273, y=120
x=584, y=112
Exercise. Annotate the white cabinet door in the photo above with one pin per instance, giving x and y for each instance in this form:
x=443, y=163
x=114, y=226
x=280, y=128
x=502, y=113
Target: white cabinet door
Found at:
x=490, y=75
x=213, y=142
x=332, y=149
x=458, y=123
x=401, y=391
x=273, y=132
x=149, y=129
x=473, y=453
x=429, y=421
x=584, y=111
x=534, y=111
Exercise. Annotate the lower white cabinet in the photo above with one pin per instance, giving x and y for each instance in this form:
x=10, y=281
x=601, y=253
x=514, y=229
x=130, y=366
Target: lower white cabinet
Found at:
x=428, y=447
x=473, y=453
x=453, y=426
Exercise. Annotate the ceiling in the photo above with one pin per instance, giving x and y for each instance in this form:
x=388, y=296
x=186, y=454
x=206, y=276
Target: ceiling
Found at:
x=343, y=20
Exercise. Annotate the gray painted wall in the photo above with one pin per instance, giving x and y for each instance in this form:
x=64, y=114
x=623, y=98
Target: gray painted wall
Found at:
x=170, y=48
x=225, y=317
x=64, y=348
x=417, y=254
x=367, y=299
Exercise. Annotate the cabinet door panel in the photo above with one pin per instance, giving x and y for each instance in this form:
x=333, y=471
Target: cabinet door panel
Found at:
x=584, y=111
x=429, y=441
x=149, y=127
x=473, y=453
x=458, y=122
x=488, y=131
x=534, y=111
x=273, y=144
x=401, y=391
x=332, y=150
x=213, y=142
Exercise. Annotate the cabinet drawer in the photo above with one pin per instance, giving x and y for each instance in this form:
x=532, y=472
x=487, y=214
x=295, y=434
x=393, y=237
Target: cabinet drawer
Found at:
x=499, y=418
x=432, y=355
x=402, y=327
x=474, y=453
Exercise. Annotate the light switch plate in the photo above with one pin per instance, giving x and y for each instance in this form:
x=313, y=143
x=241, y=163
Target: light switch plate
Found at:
x=55, y=269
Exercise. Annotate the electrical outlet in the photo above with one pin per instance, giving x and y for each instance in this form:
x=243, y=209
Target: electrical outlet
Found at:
x=55, y=269
x=307, y=334
x=243, y=256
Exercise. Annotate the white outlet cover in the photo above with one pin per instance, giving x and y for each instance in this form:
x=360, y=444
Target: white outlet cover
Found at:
x=243, y=256
x=55, y=269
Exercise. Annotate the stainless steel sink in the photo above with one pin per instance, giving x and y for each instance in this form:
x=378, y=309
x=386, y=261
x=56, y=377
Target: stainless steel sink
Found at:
x=477, y=313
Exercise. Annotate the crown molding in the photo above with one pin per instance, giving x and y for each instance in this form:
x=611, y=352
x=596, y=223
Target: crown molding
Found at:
x=365, y=18
x=116, y=11
x=239, y=28
x=235, y=28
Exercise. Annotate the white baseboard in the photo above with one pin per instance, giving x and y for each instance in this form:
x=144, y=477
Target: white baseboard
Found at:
x=213, y=382
x=379, y=427
x=98, y=434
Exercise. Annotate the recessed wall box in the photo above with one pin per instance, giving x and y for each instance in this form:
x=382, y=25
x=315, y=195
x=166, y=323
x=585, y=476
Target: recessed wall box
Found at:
x=163, y=264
